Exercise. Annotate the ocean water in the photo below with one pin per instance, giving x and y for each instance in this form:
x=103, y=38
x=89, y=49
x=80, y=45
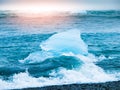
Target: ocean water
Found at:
x=64, y=48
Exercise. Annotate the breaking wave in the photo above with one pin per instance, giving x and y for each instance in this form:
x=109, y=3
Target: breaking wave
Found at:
x=64, y=59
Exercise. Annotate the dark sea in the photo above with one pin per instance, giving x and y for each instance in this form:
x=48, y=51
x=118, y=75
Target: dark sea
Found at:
x=59, y=49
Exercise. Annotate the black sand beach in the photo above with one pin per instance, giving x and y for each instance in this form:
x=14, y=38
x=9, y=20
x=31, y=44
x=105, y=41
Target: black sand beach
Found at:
x=115, y=85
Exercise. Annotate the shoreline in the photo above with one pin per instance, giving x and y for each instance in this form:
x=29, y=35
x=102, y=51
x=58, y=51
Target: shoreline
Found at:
x=113, y=85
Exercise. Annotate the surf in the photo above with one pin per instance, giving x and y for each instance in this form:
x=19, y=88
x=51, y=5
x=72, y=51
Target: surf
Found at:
x=64, y=59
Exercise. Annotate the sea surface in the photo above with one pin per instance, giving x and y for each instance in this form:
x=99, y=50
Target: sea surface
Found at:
x=64, y=48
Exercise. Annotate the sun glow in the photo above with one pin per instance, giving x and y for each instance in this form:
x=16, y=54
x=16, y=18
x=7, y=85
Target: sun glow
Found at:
x=37, y=11
x=39, y=8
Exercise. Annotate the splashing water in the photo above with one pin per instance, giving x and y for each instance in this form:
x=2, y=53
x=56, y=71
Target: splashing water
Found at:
x=66, y=57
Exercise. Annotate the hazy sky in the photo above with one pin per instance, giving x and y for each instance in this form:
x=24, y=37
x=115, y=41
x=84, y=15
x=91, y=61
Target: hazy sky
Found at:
x=58, y=5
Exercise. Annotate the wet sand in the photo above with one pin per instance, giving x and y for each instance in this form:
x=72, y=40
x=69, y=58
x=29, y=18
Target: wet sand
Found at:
x=115, y=85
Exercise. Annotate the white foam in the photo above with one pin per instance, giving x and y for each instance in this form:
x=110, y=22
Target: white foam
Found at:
x=37, y=57
x=102, y=57
x=89, y=73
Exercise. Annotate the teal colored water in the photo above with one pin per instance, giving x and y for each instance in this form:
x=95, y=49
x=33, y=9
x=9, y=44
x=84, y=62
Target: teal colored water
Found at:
x=52, y=49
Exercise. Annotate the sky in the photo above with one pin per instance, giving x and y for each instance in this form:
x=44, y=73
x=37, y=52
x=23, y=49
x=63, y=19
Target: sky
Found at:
x=58, y=5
